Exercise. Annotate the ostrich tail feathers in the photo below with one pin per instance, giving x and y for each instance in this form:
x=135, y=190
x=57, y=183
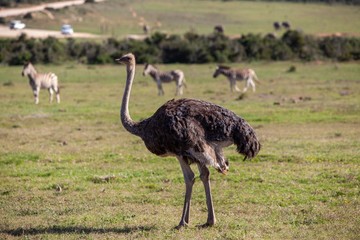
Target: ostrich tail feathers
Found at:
x=246, y=141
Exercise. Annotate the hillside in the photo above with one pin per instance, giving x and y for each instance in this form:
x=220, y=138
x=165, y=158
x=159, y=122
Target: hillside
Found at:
x=120, y=18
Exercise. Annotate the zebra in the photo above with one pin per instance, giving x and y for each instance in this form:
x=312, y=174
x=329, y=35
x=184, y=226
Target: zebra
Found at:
x=166, y=77
x=41, y=80
x=236, y=74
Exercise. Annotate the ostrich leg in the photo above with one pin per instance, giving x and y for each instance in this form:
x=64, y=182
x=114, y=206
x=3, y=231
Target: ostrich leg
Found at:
x=189, y=178
x=204, y=176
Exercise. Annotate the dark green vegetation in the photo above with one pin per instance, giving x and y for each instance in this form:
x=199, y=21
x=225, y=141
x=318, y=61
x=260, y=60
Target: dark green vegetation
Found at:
x=191, y=48
x=71, y=171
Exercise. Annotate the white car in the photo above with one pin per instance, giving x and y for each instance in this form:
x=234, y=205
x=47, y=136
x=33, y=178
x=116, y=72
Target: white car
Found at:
x=16, y=24
x=66, y=29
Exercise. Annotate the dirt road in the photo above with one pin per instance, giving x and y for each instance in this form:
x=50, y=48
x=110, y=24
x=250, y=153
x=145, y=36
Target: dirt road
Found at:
x=8, y=12
x=5, y=31
x=38, y=33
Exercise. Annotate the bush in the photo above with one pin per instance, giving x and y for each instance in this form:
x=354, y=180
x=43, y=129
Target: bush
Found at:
x=53, y=50
x=175, y=50
x=253, y=45
x=339, y=48
x=190, y=48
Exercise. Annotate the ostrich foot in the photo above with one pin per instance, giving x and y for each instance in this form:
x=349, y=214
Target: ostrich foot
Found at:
x=205, y=225
x=181, y=226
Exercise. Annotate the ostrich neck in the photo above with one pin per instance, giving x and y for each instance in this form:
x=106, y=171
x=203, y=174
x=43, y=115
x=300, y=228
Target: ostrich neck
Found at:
x=126, y=120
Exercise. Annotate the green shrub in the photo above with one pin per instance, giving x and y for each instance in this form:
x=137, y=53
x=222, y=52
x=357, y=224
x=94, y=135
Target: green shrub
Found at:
x=175, y=50
x=339, y=48
x=190, y=48
x=253, y=45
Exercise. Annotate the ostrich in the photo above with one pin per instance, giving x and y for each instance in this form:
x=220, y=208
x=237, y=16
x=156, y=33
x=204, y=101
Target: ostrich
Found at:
x=219, y=29
x=193, y=131
x=286, y=25
x=277, y=26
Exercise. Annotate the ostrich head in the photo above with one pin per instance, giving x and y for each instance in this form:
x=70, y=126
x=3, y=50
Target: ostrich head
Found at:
x=128, y=59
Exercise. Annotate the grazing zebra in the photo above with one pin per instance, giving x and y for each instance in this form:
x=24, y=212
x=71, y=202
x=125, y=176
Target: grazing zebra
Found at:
x=41, y=80
x=165, y=77
x=234, y=75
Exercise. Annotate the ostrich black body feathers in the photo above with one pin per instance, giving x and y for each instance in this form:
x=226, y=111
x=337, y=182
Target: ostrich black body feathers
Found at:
x=182, y=124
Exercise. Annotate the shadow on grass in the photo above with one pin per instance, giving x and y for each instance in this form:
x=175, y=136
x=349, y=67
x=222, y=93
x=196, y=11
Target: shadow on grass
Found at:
x=74, y=230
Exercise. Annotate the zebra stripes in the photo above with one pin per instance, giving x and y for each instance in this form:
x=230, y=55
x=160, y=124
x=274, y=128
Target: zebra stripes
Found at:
x=176, y=76
x=41, y=80
x=49, y=80
x=234, y=75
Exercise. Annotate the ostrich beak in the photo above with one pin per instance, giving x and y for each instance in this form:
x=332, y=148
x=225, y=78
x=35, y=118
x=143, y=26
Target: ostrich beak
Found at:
x=122, y=60
x=127, y=59
x=119, y=60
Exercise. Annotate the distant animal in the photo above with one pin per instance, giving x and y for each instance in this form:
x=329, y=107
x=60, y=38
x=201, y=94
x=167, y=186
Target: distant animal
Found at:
x=193, y=131
x=286, y=25
x=176, y=76
x=146, y=29
x=270, y=36
x=37, y=80
x=277, y=26
x=219, y=29
x=234, y=75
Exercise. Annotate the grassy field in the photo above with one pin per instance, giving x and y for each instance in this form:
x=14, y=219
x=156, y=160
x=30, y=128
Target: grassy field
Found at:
x=120, y=18
x=71, y=171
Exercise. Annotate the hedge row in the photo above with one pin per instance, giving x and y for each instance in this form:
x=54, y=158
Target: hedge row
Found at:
x=190, y=48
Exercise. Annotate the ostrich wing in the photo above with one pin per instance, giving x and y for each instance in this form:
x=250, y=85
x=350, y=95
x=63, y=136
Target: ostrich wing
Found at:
x=180, y=125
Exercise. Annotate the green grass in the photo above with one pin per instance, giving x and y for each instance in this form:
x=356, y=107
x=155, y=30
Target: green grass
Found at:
x=71, y=171
x=114, y=17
